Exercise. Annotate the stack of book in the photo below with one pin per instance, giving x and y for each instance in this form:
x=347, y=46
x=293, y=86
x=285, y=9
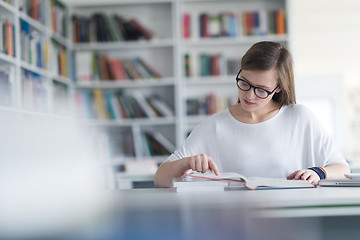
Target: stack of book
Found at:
x=107, y=105
x=93, y=66
x=228, y=24
x=105, y=28
x=190, y=184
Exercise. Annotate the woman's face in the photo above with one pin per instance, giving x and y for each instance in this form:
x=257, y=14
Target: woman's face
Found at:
x=265, y=80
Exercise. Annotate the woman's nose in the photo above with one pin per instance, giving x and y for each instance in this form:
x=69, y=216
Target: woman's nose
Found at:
x=250, y=94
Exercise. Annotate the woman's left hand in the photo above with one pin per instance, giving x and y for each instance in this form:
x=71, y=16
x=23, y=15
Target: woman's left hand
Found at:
x=305, y=174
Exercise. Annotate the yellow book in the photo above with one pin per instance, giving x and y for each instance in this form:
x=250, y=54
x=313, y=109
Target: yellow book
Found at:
x=100, y=104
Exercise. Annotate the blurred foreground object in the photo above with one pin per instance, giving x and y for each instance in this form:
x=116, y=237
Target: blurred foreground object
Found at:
x=50, y=183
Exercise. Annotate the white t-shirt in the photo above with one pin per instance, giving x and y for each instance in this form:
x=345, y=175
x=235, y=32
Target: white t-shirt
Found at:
x=291, y=140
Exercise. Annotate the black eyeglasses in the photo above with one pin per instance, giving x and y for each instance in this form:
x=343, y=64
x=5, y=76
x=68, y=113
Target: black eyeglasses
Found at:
x=245, y=86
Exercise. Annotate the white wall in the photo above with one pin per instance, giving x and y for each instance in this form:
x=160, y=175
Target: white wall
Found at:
x=325, y=40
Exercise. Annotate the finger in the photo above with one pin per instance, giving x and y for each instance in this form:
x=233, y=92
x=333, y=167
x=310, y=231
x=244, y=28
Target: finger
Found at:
x=192, y=163
x=198, y=166
x=205, y=165
x=312, y=179
x=299, y=174
x=213, y=167
x=306, y=175
x=291, y=176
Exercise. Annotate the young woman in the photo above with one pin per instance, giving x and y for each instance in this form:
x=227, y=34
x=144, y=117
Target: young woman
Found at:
x=266, y=134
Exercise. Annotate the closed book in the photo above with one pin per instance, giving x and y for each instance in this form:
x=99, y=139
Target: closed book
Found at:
x=214, y=27
x=196, y=182
x=161, y=106
x=117, y=70
x=144, y=105
x=148, y=68
x=10, y=39
x=204, y=25
x=120, y=22
x=186, y=25
x=104, y=73
x=187, y=69
x=130, y=69
x=280, y=22
x=114, y=32
x=100, y=104
x=83, y=66
x=160, y=138
x=156, y=149
x=146, y=33
x=188, y=184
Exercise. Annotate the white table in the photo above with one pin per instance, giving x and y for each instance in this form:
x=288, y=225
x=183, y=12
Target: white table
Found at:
x=321, y=213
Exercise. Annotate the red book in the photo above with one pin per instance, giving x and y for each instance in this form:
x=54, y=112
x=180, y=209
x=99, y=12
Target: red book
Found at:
x=186, y=26
x=117, y=70
x=35, y=10
x=215, y=65
x=204, y=18
x=249, y=23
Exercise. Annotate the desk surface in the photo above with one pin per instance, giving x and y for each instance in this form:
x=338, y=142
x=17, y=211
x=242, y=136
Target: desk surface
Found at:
x=316, y=199
x=318, y=213
x=295, y=214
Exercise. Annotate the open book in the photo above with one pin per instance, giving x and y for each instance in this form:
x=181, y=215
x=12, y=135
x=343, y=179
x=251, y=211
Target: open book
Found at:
x=253, y=182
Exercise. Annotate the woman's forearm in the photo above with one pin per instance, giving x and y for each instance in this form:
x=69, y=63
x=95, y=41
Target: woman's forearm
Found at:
x=336, y=170
x=169, y=170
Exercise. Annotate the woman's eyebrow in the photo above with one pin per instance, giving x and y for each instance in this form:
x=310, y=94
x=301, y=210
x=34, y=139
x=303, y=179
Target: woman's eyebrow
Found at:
x=260, y=86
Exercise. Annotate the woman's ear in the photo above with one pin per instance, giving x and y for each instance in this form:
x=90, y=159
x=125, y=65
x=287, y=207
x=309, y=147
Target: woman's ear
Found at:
x=278, y=90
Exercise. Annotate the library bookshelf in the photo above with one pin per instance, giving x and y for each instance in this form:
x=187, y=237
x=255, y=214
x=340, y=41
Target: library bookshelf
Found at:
x=186, y=53
x=34, y=57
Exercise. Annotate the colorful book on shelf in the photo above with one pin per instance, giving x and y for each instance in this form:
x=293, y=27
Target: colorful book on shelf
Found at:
x=166, y=145
x=103, y=68
x=151, y=71
x=187, y=69
x=143, y=104
x=121, y=25
x=146, y=33
x=161, y=106
x=114, y=32
x=130, y=69
x=280, y=22
x=100, y=104
x=204, y=25
x=186, y=25
x=83, y=62
x=155, y=148
x=253, y=183
x=118, y=71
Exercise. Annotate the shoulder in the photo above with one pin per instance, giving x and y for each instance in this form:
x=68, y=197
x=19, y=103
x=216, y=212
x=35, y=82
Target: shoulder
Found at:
x=213, y=120
x=298, y=111
x=302, y=116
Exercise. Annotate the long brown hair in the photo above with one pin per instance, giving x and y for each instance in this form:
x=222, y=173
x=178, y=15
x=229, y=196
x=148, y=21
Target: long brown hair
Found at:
x=267, y=55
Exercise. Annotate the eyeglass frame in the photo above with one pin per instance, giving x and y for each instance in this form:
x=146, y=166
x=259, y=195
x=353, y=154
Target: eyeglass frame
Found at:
x=253, y=87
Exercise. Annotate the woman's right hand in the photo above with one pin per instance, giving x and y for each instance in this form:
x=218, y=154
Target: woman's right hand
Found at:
x=201, y=163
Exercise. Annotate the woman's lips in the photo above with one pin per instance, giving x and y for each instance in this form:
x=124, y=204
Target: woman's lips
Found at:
x=248, y=103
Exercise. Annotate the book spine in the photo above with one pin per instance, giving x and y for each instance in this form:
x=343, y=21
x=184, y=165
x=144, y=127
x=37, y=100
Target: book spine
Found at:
x=186, y=25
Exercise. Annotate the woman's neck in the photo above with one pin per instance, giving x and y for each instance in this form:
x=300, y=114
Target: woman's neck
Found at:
x=261, y=115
